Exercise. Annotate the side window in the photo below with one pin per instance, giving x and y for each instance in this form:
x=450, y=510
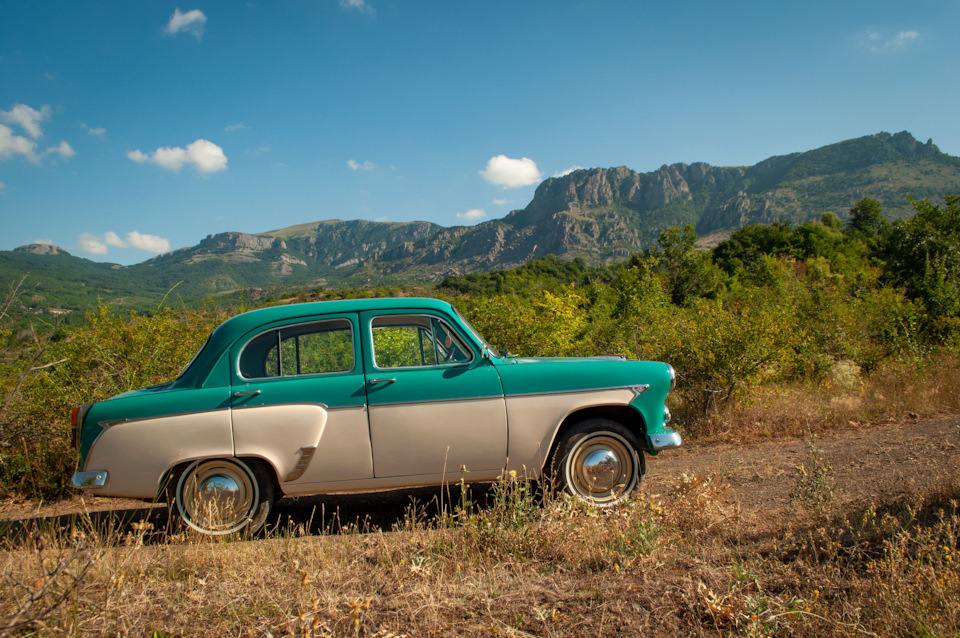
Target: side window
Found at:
x=406, y=341
x=312, y=348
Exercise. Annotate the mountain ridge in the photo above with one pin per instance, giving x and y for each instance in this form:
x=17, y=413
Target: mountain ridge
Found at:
x=598, y=214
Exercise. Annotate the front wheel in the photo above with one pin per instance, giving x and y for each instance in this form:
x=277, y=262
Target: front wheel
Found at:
x=598, y=461
x=220, y=496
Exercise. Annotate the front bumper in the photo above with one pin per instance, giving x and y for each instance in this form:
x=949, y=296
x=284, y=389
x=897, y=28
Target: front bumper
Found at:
x=664, y=440
x=88, y=480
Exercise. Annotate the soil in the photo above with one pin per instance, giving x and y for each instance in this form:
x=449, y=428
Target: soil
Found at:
x=880, y=463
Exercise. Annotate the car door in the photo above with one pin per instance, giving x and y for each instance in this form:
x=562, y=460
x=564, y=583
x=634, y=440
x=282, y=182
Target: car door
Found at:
x=298, y=399
x=435, y=404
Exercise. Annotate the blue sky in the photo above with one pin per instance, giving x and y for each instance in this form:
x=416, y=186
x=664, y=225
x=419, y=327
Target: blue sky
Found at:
x=132, y=128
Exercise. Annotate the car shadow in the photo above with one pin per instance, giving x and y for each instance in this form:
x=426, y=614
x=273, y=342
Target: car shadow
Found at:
x=400, y=509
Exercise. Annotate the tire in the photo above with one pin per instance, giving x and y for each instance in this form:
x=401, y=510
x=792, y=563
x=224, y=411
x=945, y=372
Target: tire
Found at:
x=598, y=461
x=218, y=497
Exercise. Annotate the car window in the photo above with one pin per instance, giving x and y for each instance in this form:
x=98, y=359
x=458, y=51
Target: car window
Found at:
x=406, y=341
x=312, y=348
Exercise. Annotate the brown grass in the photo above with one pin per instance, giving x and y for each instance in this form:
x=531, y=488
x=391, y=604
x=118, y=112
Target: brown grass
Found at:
x=680, y=564
x=898, y=390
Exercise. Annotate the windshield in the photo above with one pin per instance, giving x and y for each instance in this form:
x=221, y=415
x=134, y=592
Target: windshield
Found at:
x=483, y=342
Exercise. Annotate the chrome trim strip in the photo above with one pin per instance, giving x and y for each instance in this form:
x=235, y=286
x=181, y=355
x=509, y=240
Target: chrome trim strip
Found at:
x=668, y=439
x=553, y=392
x=638, y=390
x=306, y=455
x=87, y=480
x=458, y=400
x=110, y=424
x=275, y=405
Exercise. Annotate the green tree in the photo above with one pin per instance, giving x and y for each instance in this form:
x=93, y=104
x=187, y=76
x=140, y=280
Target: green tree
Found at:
x=866, y=219
x=922, y=254
x=689, y=273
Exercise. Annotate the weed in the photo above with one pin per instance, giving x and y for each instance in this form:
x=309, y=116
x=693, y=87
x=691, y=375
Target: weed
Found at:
x=815, y=483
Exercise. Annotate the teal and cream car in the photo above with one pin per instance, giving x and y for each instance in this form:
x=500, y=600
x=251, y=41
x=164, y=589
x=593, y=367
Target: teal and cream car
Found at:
x=360, y=395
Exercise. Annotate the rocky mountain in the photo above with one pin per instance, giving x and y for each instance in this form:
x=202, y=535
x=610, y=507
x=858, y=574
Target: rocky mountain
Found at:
x=599, y=214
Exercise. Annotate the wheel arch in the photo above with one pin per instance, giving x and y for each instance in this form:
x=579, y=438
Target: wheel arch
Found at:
x=622, y=414
x=255, y=462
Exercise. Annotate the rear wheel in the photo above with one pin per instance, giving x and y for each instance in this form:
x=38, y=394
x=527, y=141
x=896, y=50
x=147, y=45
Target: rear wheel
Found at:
x=598, y=461
x=220, y=496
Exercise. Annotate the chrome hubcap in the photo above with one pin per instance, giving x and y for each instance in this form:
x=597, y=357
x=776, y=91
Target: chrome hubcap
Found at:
x=217, y=497
x=602, y=468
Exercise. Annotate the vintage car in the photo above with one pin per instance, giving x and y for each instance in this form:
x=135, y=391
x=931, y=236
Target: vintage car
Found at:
x=371, y=394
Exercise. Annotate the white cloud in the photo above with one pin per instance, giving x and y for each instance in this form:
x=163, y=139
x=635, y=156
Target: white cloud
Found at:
x=511, y=173
x=28, y=118
x=904, y=38
x=100, y=245
x=876, y=42
x=149, y=243
x=96, y=132
x=239, y=126
x=170, y=157
x=12, y=145
x=357, y=166
x=64, y=150
x=207, y=156
x=568, y=171
x=472, y=215
x=44, y=241
x=113, y=239
x=501, y=202
x=203, y=155
x=192, y=22
x=90, y=244
x=359, y=5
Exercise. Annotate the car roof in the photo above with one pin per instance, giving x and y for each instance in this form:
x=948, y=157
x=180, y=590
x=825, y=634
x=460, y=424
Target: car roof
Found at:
x=224, y=336
x=239, y=325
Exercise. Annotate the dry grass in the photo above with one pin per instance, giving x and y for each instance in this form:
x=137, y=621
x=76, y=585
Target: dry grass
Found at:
x=677, y=565
x=898, y=390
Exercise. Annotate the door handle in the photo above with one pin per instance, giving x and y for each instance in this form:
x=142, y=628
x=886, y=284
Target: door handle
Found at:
x=378, y=381
x=237, y=395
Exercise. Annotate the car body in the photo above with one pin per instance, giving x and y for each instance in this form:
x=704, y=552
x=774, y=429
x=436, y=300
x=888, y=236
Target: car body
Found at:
x=367, y=394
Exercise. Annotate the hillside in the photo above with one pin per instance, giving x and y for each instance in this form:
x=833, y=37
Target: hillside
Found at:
x=601, y=215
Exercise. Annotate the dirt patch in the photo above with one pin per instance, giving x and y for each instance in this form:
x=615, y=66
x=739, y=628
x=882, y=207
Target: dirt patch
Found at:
x=870, y=463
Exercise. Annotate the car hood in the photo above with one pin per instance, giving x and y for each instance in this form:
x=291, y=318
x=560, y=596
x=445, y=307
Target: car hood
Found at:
x=527, y=375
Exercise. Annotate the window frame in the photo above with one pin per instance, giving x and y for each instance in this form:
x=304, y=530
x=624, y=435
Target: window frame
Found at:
x=238, y=370
x=465, y=343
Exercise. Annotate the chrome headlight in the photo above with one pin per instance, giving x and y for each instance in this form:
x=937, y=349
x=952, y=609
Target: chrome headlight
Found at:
x=673, y=377
x=666, y=415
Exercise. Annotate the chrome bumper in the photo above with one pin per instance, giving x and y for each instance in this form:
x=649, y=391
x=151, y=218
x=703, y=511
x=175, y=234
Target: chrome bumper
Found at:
x=667, y=439
x=85, y=480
